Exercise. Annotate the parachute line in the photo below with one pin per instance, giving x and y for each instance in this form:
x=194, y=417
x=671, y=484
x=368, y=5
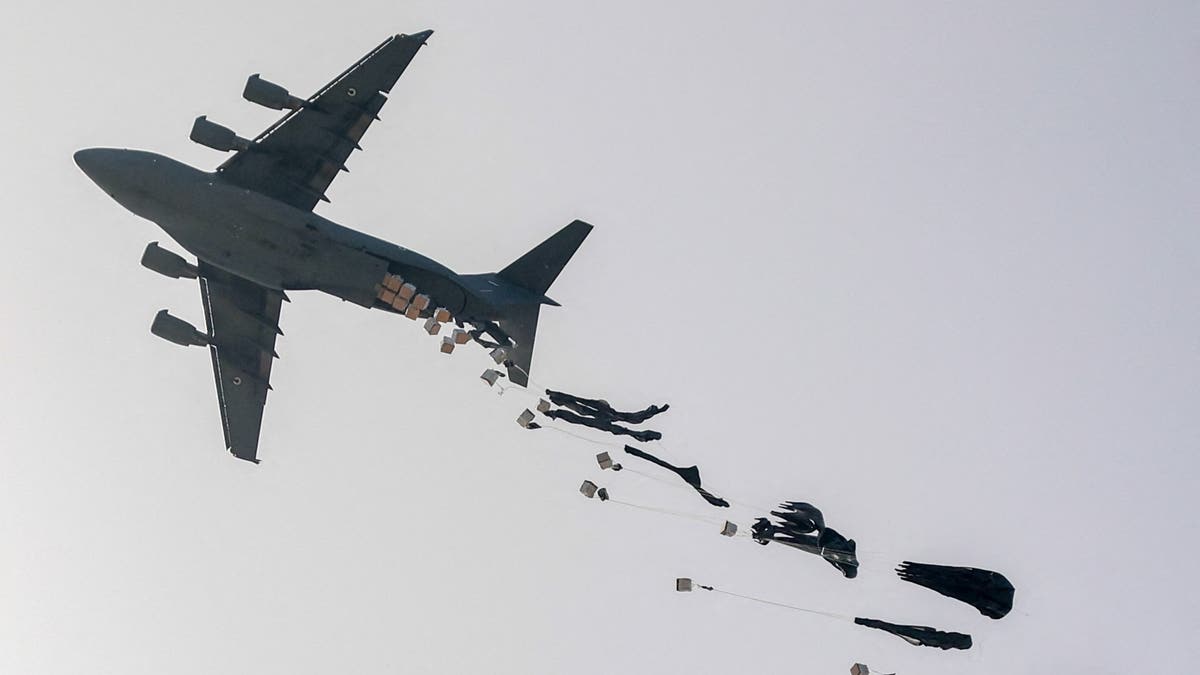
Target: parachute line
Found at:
x=582, y=438
x=669, y=512
x=829, y=614
x=659, y=479
x=719, y=490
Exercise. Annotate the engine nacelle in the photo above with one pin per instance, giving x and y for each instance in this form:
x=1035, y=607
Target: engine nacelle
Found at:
x=167, y=263
x=215, y=136
x=174, y=329
x=269, y=94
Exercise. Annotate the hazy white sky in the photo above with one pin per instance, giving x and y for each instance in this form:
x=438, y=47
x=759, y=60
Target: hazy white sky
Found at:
x=931, y=266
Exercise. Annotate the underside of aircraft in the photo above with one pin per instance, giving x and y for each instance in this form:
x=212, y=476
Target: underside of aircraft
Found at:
x=251, y=226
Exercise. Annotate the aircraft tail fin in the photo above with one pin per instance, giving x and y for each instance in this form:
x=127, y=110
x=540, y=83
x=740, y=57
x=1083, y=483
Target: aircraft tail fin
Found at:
x=535, y=272
x=537, y=269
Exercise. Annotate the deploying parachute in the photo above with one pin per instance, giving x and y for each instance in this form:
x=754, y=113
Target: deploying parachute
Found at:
x=601, y=409
x=795, y=524
x=801, y=517
x=689, y=474
x=914, y=635
x=920, y=635
x=989, y=592
x=798, y=520
x=602, y=425
x=597, y=414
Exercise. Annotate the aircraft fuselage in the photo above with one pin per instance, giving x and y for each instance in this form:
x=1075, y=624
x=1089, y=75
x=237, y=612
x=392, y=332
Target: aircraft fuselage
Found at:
x=275, y=244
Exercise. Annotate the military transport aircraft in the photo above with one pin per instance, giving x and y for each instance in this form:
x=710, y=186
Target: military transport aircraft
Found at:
x=251, y=227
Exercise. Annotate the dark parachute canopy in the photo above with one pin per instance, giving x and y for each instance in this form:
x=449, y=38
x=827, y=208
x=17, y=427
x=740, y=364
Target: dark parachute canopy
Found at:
x=599, y=414
x=915, y=635
x=920, y=635
x=602, y=425
x=801, y=517
x=989, y=592
x=839, y=552
x=689, y=474
x=601, y=409
x=798, y=522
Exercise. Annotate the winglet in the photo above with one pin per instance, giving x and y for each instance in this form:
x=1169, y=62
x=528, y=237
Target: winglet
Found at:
x=423, y=36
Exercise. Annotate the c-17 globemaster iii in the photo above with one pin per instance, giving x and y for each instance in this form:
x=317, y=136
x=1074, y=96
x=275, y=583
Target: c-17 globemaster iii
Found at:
x=251, y=226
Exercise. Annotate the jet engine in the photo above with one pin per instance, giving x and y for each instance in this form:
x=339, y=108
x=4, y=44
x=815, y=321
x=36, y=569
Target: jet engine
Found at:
x=269, y=94
x=174, y=329
x=216, y=136
x=167, y=263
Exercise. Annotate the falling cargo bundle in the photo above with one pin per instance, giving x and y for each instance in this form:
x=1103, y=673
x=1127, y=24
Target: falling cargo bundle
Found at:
x=403, y=297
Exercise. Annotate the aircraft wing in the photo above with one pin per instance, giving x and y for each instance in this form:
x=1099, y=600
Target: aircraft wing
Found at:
x=297, y=158
x=243, y=321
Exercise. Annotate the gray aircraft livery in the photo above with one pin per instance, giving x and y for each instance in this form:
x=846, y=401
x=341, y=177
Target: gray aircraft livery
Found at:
x=251, y=226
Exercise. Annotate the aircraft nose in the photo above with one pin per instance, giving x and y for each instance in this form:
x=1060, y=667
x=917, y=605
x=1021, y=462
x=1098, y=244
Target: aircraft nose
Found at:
x=85, y=159
x=100, y=164
x=91, y=161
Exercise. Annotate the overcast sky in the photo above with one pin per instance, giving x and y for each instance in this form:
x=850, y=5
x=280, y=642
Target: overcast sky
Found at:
x=934, y=267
